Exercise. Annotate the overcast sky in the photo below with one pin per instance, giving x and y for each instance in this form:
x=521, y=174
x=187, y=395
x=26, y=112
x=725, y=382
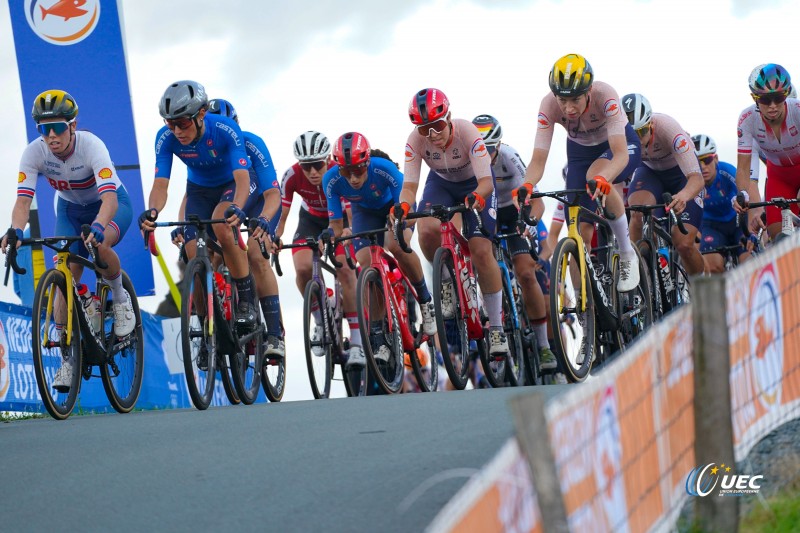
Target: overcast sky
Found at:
x=354, y=66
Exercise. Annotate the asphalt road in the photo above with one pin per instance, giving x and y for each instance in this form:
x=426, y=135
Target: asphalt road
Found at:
x=351, y=464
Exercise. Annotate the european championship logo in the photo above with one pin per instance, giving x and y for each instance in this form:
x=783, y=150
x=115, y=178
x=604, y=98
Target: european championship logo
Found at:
x=62, y=22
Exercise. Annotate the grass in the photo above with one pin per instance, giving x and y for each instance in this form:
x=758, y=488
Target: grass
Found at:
x=781, y=514
x=11, y=416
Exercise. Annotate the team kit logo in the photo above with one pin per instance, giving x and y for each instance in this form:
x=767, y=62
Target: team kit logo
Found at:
x=704, y=479
x=62, y=22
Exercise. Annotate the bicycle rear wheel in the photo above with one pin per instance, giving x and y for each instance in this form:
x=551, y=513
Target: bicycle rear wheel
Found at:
x=423, y=360
x=50, y=350
x=273, y=376
x=634, y=308
x=455, y=354
x=380, y=333
x=226, y=377
x=318, y=350
x=197, y=340
x=246, y=364
x=123, y=369
x=574, y=329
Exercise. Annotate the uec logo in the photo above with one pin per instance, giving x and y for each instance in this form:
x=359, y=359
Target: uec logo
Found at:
x=62, y=22
x=702, y=480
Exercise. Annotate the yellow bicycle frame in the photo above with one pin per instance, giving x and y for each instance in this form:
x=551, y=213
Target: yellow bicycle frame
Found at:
x=61, y=266
x=574, y=234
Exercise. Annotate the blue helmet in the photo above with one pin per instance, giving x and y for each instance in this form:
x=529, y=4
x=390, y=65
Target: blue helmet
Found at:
x=218, y=106
x=770, y=78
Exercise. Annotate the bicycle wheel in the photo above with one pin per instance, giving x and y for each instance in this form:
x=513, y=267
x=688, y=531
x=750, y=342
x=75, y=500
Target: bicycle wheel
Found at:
x=574, y=330
x=197, y=340
x=124, y=366
x=634, y=308
x=317, y=340
x=247, y=362
x=455, y=352
x=49, y=344
x=273, y=376
x=682, y=293
x=657, y=294
x=225, y=374
x=380, y=333
x=423, y=360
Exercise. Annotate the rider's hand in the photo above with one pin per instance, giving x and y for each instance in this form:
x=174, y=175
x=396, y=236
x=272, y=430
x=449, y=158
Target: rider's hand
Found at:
x=478, y=203
x=735, y=202
x=262, y=229
x=177, y=236
x=755, y=222
x=4, y=242
x=404, y=206
x=602, y=188
x=147, y=219
x=234, y=216
x=678, y=204
x=528, y=188
x=97, y=235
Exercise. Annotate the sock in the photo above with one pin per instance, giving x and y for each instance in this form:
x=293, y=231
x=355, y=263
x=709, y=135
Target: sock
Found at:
x=494, y=308
x=540, y=329
x=355, y=333
x=620, y=228
x=271, y=305
x=117, y=292
x=423, y=295
x=244, y=286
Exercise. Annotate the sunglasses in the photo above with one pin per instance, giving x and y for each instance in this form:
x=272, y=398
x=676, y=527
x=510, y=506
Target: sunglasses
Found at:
x=182, y=123
x=437, y=127
x=56, y=127
x=706, y=159
x=767, y=99
x=353, y=170
x=642, y=131
x=316, y=165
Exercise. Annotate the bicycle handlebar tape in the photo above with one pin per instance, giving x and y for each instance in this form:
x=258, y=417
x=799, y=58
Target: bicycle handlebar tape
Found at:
x=667, y=197
x=151, y=244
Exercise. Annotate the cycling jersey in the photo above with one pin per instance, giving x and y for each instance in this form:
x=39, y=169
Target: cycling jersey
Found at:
x=382, y=186
x=718, y=195
x=313, y=197
x=509, y=173
x=212, y=159
x=464, y=158
x=754, y=132
x=85, y=175
x=669, y=146
x=262, y=171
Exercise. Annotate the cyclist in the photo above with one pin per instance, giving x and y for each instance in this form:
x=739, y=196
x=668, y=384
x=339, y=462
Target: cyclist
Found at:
x=601, y=146
x=456, y=155
x=719, y=227
x=767, y=126
x=372, y=186
x=264, y=205
x=509, y=173
x=78, y=166
x=218, y=179
x=668, y=165
x=313, y=153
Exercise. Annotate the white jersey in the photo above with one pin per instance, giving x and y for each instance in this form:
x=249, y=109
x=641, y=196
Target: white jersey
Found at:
x=509, y=173
x=756, y=136
x=86, y=174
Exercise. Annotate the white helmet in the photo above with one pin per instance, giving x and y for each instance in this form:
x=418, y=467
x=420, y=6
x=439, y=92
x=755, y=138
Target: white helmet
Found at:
x=311, y=146
x=638, y=110
x=704, y=145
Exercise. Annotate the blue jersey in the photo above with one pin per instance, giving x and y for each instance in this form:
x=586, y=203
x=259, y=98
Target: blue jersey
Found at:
x=383, y=185
x=262, y=173
x=717, y=201
x=212, y=159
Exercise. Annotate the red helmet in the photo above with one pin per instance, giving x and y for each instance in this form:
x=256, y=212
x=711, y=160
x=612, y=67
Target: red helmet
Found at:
x=351, y=149
x=427, y=106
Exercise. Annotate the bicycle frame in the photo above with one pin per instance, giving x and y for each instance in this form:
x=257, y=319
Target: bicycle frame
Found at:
x=462, y=258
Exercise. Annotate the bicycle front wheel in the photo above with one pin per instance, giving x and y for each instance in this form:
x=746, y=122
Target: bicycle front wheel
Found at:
x=273, y=377
x=573, y=325
x=451, y=329
x=317, y=340
x=124, y=366
x=423, y=360
x=247, y=363
x=50, y=348
x=380, y=332
x=197, y=338
x=226, y=377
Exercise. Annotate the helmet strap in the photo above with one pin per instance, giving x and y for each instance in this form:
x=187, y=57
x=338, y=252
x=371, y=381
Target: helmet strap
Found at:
x=198, y=126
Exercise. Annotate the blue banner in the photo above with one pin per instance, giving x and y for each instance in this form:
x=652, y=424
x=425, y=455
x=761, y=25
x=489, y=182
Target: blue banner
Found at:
x=76, y=46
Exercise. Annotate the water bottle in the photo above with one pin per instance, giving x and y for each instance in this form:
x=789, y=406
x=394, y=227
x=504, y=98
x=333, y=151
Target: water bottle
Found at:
x=91, y=306
x=663, y=265
x=224, y=292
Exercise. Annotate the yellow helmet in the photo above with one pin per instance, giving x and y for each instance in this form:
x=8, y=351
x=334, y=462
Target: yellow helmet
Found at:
x=571, y=76
x=54, y=104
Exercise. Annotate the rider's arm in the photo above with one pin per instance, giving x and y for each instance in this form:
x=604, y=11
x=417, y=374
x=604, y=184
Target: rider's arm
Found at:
x=743, y=181
x=411, y=170
x=337, y=225
x=272, y=202
x=619, y=160
x=242, y=179
x=158, y=194
x=108, y=208
x=21, y=212
x=537, y=208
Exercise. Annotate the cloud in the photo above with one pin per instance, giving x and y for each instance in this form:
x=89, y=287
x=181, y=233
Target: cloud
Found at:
x=743, y=8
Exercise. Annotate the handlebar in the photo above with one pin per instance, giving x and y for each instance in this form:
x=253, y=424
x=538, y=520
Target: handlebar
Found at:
x=592, y=185
x=399, y=228
x=667, y=197
x=194, y=220
x=86, y=230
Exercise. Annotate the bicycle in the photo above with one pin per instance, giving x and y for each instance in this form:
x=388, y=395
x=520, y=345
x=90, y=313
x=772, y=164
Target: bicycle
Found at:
x=323, y=313
x=452, y=264
x=390, y=317
x=669, y=281
x=789, y=221
x=584, y=291
x=120, y=360
x=207, y=338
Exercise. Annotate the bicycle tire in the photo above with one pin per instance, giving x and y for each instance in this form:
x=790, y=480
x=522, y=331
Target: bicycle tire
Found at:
x=425, y=366
x=47, y=358
x=247, y=364
x=377, y=332
x=456, y=364
x=195, y=336
x=273, y=378
x=122, y=372
x=565, y=298
x=320, y=368
x=226, y=377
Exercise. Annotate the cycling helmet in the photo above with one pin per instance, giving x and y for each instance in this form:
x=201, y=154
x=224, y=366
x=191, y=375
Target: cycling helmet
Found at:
x=351, y=149
x=571, y=76
x=183, y=98
x=54, y=104
x=770, y=78
x=704, y=145
x=311, y=146
x=218, y=106
x=427, y=106
x=490, y=129
x=792, y=92
x=638, y=110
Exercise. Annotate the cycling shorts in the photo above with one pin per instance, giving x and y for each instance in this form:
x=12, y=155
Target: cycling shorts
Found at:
x=782, y=182
x=439, y=191
x=202, y=201
x=716, y=234
x=507, y=223
x=657, y=182
x=310, y=225
x=70, y=217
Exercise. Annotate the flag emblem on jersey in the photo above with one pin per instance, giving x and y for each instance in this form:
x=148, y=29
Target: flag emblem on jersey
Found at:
x=611, y=108
x=680, y=144
x=212, y=153
x=21, y=177
x=478, y=148
x=542, y=122
x=105, y=173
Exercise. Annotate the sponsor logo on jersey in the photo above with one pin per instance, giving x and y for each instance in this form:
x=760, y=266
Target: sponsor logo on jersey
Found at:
x=410, y=156
x=680, y=144
x=744, y=117
x=542, y=122
x=478, y=148
x=62, y=22
x=210, y=142
x=793, y=131
x=243, y=162
x=21, y=177
x=105, y=173
x=611, y=107
x=739, y=132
